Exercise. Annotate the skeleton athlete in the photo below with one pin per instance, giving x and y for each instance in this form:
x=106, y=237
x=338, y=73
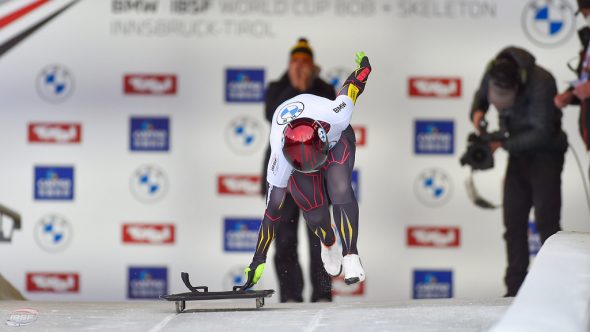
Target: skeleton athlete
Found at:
x=313, y=150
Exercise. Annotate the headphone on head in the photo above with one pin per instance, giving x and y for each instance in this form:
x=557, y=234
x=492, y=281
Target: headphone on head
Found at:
x=503, y=60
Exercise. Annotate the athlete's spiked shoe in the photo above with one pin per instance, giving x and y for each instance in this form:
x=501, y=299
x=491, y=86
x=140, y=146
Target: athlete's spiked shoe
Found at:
x=353, y=269
x=332, y=258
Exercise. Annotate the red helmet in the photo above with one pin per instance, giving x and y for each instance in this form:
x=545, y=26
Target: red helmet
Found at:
x=305, y=144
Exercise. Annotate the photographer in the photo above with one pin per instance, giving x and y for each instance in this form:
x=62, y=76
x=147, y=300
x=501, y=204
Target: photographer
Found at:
x=523, y=92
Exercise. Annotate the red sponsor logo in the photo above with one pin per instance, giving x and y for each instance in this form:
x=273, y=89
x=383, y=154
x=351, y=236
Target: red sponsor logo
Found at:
x=238, y=184
x=55, y=133
x=434, y=87
x=340, y=288
x=149, y=233
x=53, y=282
x=433, y=236
x=150, y=84
x=361, y=135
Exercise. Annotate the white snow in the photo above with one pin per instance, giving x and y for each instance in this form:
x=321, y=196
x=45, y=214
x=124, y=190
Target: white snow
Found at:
x=555, y=295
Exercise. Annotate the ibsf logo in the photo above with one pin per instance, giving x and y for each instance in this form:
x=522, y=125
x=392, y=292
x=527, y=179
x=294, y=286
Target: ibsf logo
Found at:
x=340, y=288
x=434, y=87
x=360, y=132
x=433, y=284
x=244, y=135
x=149, y=134
x=22, y=317
x=434, y=137
x=59, y=133
x=136, y=233
x=53, y=282
x=420, y=236
x=244, y=85
x=241, y=234
x=189, y=6
x=53, y=233
x=55, y=83
x=433, y=187
x=54, y=183
x=239, y=185
x=147, y=282
x=149, y=84
x=548, y=23
x=149, y=183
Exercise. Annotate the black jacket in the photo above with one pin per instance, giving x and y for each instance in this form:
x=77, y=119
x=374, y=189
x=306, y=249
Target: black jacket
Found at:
x=534, y=122
x=281, y=90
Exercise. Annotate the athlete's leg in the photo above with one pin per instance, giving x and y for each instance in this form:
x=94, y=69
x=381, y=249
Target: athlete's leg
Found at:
x=346, y=211
x=309, y=193
x=339, y=169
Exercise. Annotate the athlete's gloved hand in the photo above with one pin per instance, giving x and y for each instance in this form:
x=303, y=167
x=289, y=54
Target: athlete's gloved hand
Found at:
x=362, y=61
x=355, y=83
x=253, y=274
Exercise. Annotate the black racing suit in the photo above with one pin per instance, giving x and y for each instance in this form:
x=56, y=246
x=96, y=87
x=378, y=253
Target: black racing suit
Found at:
x=286, y=259
x=536, y=148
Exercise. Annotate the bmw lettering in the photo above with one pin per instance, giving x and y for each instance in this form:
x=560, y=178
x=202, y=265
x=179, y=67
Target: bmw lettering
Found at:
x=55, y=83
x=54, y=183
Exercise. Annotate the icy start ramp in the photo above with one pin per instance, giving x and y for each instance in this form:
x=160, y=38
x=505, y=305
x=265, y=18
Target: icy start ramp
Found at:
x=555, y=295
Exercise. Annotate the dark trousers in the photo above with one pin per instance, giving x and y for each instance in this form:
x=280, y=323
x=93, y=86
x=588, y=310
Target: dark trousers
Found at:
x=287, y=261
x=531, y=181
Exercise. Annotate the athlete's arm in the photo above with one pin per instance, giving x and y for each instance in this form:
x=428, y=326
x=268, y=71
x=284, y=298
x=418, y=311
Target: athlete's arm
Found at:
x=355, y=83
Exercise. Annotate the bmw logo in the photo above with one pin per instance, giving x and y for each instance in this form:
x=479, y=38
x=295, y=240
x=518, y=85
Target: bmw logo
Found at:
x=289, y=112
x=55, y=83
x=149, y=183
x=548, y=23
x=322, y=134
x=244, y=135
x=433, y=187
x=53, y=233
